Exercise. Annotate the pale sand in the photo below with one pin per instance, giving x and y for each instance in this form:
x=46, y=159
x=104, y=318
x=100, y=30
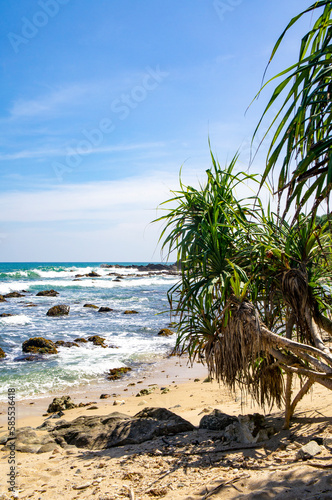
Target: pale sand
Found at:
x=186, y=469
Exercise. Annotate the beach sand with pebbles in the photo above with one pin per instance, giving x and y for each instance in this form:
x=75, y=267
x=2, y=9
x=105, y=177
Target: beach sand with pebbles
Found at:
x=190, y=465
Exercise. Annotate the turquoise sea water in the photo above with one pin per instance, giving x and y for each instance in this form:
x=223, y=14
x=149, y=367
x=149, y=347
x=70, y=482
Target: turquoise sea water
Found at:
x=135, y=336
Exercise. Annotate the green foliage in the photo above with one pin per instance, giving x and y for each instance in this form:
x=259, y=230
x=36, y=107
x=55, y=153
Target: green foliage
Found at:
x=302, y=139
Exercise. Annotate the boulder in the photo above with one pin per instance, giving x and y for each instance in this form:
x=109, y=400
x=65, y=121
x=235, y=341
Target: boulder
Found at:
x=91, y=305
x=117, y=429
x=165, y=332
x=104, y=309
x=12, y=295
x=47, y=293
x=116, y=373
x=62, y=343
x=93, y=274
x=2, y=299
x=96, y=340
x=309, y=450
x=28, y=441
x=81, y=339
x=130, y=312
x=60, y=310
x=60, y=404
x=2, y=353
x=39, y=345
x=5, y=315
x=216, y=421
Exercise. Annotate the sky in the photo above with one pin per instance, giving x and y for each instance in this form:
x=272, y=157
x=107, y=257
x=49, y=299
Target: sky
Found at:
x=103, y=101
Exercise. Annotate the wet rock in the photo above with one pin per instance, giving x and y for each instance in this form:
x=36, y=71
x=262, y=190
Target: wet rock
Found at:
x=39, y=345
x=63, y=403
x=92, y=306
x=60, y=310
x=117, y=373
x=81, y=339
x=116, y=429
x=165, y=332
x=31, y=305
x=5, y=315
x=62, y=343
x=2, y=299
x=2, y=353
x=93, y=274
x=309, y=450
x=47, y=293
x=96, y=340
x=78, y=275
x=13, y=295
x=30, y=357
x=130, y=312
x=104, y=309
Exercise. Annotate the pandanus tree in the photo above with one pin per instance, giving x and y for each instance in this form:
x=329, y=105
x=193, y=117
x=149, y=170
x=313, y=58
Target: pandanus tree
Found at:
x=254, y=296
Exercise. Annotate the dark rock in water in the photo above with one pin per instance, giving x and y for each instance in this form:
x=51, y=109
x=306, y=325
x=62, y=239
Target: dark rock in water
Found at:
x=117, y=429
x=104, y=309
x=93, y=274
x=47, y=293
x=79, y=275
x=30, y=357
x=130, y=312
x=165, y=332
x=117, y=279
x=5, y=315
x=13, y=295
x=96, y=340
x=116, y=373
x=39, y=345
x=2, y=299
x=91, y=305
x=62, y=343
x=216, y=421
x=81, y=339
x=31, y=305
x=2, y=353
x=59, y=404
x=60, y=310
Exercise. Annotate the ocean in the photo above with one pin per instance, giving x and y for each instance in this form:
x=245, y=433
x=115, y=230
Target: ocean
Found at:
x=133, y=337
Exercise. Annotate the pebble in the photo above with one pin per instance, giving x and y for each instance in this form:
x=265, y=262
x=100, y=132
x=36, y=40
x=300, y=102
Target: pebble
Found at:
x=81, y=486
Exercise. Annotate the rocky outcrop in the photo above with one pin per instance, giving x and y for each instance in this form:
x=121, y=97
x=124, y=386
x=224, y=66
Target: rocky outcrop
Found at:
x=47, y=293
x=60, y=404
x=6, y=315
x=93, y=274
x=97, y=340
x=2, y=353
x=105, y=309
x=2, y=298
x=81, y=339
x=62, y=343
x=39, y=345
x=92, y=306
x=154, y=268
x=117, y=373
x=60, y=310
x=165, y=332
x=130, y=312
x=13, y=295
x=117, y=429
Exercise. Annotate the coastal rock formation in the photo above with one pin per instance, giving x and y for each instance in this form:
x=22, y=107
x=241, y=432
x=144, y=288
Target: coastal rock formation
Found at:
x=60, y=404
x=39, y=345
x=5, y=315
x=2, y=299
x=47, y=293
x=92, y=306
x=105, y=309
x=62, y=343
x=97, y=340
x=117, y=429
x=81, y=339
x=116, y=373
x=60, y=310
x=13, y=295
x=130, y=312
x=165, y=332
x=2, y=353
x=93, y=274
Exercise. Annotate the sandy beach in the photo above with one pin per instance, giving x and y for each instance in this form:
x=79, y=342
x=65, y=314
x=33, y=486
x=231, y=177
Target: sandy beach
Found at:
x=192, y=465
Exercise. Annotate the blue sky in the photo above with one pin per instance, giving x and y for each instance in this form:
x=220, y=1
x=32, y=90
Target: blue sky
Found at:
x=103, y=101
